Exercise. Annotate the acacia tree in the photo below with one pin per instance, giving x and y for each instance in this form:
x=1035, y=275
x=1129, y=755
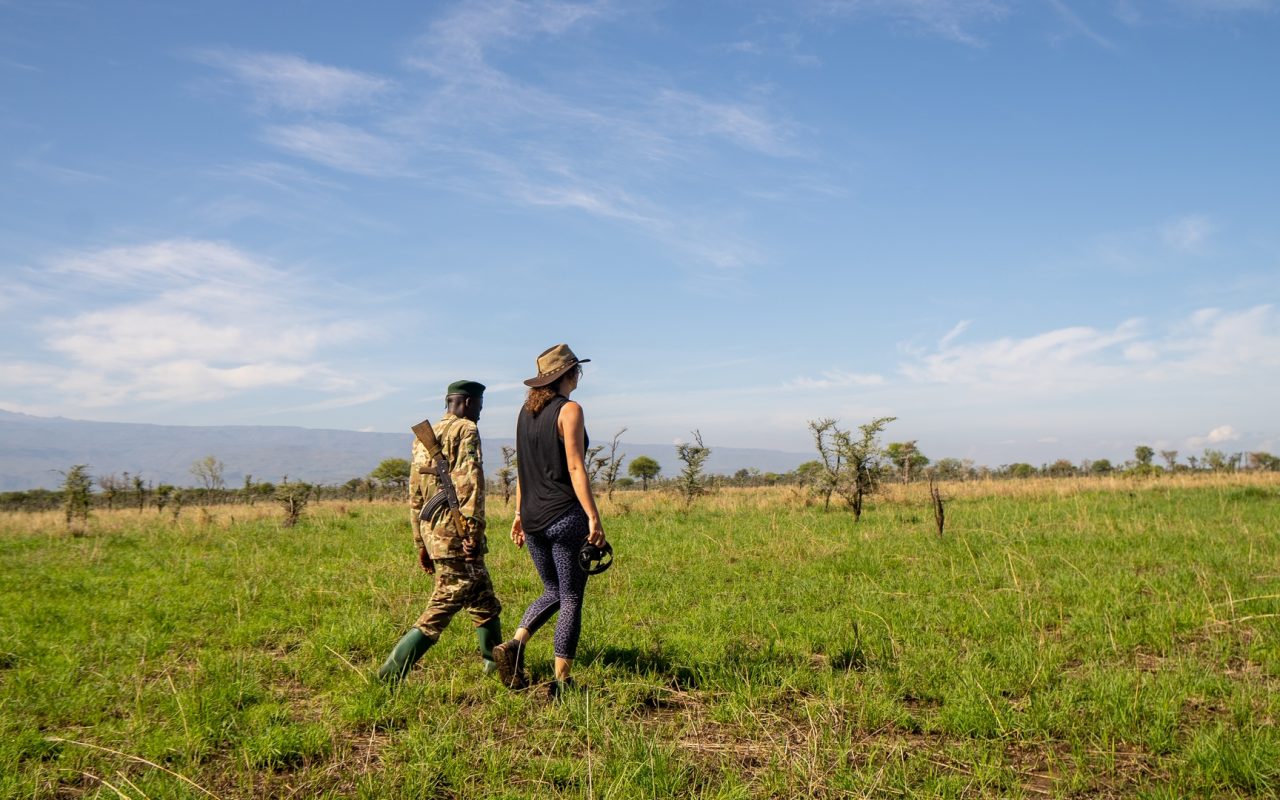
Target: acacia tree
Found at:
x=163, y=494
x=950, y=469
x=77, y=484
x=208, y=471
x=507, y=472
x=862, y=458
x=1215, y=460
x=906, y=456
x=1062, y=468
x=613, y=463
x=825, y=434
x=854, y=467
x=293, y=498
x=692, y=482
x=140, y=491
x=1171, y=458
x=1143, y=455
x=1262, y=460
x=111, y=486
x=392, y=472
x=644, y=469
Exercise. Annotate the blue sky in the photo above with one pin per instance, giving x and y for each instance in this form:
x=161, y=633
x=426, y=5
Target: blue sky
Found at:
x=1029, y=230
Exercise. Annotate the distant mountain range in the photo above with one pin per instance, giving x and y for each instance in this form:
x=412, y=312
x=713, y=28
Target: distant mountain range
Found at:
x=34, y=449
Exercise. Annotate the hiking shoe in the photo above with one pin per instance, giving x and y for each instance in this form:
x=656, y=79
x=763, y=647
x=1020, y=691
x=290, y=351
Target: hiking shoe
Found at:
x=556, y=690
x=490, y=667
x=509, y=657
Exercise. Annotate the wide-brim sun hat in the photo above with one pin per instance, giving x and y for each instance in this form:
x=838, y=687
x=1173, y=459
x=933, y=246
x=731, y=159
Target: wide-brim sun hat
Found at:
x=552, y=363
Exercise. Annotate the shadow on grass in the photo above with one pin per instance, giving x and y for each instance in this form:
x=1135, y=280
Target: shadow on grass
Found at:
x=649, y=661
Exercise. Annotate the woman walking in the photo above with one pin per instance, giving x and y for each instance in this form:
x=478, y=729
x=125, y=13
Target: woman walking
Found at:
x=555, y=512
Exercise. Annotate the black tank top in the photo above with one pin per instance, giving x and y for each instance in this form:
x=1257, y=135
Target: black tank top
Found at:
x=546, y=493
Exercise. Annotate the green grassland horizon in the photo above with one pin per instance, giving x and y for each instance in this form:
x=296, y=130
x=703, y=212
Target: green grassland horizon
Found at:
x=1090, y=637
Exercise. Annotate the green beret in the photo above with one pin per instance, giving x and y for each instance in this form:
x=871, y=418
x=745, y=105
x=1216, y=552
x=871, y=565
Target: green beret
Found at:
x=470, y=388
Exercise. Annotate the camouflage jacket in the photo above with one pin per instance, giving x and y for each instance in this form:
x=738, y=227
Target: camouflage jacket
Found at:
x=460, y=442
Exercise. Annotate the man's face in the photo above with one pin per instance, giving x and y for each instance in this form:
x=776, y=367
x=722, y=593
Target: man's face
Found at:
x=474, y=405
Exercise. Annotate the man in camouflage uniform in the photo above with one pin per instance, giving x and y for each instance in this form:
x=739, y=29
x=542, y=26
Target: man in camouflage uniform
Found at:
x=455, y=557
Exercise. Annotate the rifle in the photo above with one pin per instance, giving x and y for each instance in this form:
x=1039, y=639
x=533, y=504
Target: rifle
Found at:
x=448, y=494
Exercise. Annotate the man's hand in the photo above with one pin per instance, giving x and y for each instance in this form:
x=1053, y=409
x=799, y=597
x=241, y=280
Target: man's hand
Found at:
x=517, y=531
x=424, y=561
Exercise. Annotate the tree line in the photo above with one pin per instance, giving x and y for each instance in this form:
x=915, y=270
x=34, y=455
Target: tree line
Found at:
x=851, y=465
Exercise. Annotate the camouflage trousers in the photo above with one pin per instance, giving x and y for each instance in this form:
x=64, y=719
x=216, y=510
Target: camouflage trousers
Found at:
x=459, y=584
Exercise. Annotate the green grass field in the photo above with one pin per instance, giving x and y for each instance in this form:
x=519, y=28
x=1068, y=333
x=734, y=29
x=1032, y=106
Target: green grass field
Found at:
x=1066, y=639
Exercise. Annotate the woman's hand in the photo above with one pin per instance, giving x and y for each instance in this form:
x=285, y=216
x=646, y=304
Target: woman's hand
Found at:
x=517, y=531
x=595, y=531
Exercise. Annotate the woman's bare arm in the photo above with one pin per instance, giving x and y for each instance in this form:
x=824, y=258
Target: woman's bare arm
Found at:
x=517, y=527
x=573, y=431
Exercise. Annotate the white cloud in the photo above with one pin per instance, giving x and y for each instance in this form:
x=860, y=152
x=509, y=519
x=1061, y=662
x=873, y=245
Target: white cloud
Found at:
x=293, y=83
x=1187, y=233
x=1079, y=25
x=285, y=177
x=597, y=147
x=203, y=320
x=959, y=328
x=1222, y=433
x=747, y=126
x=458, y=41
x=1039, y=361
x=342, y=147
x=835, y=378
x=1227, y=6
x=1219, y=435
x=1216, y=343
x=57, y=172
x=164, y=263
x=1210, y=342
x=950, y=19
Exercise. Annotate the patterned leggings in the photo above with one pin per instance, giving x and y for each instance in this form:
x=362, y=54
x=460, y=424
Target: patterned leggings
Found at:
x=555, y=555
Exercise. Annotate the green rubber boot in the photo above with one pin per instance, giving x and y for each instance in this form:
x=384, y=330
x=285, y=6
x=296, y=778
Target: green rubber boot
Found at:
x=490, y=636
x=406, y=653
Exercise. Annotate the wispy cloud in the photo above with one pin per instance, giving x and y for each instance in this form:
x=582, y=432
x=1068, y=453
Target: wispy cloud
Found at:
x=57, y=172
x=460, y=40
x=1079, y=25
x=285, y=177
x=292, y=83
x=18, y=65
x=768, y=41
x=749, y=127
x=1148, y=249
x=203, y=320
x=342, y=147
x=835, y=378
x=950, y=336
x=1227, y=6
x=1209, y=343
x=607, y=146
x=164, y=263
x=1035, y=361
x=603, y=147
x=951, y=19
x=1187, y=233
